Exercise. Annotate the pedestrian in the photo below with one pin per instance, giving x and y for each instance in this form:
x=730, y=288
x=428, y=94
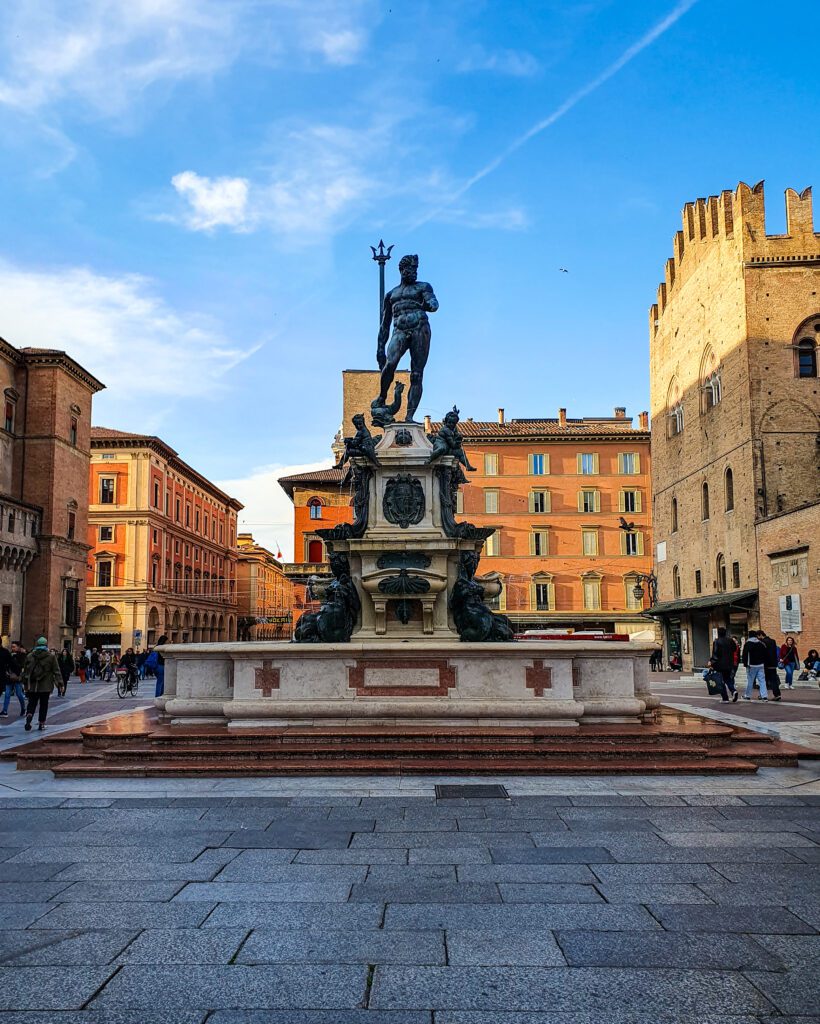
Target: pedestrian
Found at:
x=12, y=679
x=676, y=662
x=141, y=659
x=159, y=668
x=735, y=657
x=789, y=659
x=811, y=665
x=94, y=664
x=41, y=673
x=723, y=655
x=83, y=666
x=66, y=668
x=106, y=666
x=754, y=658
x=770, y=664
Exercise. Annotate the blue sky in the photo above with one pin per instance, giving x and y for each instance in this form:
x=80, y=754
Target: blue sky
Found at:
x=191, y=187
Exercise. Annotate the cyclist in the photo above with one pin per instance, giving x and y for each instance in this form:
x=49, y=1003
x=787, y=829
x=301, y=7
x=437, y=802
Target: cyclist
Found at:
x=129, y=662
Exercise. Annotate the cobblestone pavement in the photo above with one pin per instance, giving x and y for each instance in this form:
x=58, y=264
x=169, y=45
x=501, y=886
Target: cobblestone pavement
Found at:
x=650, y=908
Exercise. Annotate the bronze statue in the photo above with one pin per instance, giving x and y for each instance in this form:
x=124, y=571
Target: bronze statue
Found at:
x=474, y=621
x=406, y=306
x=361, y=444
x=381, y=414
x=448, y=441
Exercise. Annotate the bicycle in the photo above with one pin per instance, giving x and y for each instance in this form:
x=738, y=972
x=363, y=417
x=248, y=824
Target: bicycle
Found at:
x=127, y=682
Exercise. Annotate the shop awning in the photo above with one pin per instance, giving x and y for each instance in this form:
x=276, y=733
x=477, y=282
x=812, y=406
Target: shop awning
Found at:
x=741, y=598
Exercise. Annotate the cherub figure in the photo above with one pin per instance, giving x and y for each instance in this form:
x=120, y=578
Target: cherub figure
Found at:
x=361, y=444
x=448, y=441
x=382, y=414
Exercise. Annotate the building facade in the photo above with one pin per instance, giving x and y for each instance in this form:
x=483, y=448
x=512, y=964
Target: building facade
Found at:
x=163, y=553
x=44, y=459
x=570, y=502
x=264, y=594
x=736, y=423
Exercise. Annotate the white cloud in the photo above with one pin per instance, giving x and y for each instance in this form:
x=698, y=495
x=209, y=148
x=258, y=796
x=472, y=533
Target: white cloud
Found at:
x=341, y=47
x=268, y=512
x=517, y=63
x=121, y=331
x=213, y=202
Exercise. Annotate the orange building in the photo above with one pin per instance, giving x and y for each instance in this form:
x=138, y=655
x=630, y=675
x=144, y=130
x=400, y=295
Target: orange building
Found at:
x=559, y=493
x=264, y=594
x=163, y=546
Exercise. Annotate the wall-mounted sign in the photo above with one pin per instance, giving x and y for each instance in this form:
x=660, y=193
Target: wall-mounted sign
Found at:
x=791, y=621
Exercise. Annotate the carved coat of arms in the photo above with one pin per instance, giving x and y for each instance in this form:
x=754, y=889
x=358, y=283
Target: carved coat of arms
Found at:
x=403, y=502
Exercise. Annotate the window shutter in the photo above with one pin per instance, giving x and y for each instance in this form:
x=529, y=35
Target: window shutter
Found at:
x=532, y=543
x=595, y=464
x=547, y=501
x=623, y=542
x=533, y=599
x=597, y=494
x=638, y=502
x=640, y=543
x=621, y=500
x=579, y=463
x=551, y=595
x=532, y=501
x=580, y=501
x=546, y=463
x=637, y=462
x=620, y=462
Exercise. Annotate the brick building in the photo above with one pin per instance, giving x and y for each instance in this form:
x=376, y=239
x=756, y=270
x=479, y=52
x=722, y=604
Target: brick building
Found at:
x=44, y=458
x=736, y=422
x=163, y=546
x=264, y=601
x=555, y=489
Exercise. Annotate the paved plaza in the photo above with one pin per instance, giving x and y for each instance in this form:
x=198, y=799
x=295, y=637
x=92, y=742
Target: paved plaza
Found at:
x=348, y=900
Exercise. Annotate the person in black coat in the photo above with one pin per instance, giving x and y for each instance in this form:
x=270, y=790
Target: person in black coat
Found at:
x=770, y=663
x=723, y=653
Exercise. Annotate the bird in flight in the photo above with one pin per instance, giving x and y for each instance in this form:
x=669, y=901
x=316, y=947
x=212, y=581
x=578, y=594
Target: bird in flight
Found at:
x=563, y=270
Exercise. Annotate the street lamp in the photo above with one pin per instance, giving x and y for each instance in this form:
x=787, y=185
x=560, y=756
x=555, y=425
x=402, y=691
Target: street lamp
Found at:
x=652, y=583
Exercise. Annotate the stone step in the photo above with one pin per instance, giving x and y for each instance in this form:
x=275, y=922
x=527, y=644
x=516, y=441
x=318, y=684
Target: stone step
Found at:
x=79, y=768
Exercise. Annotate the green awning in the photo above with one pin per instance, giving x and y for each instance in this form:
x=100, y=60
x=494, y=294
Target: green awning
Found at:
x=741, y=598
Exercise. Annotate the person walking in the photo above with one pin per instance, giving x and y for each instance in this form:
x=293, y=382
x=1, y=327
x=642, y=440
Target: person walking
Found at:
x=723, y=650
x=159, y=669
x=94, y=664
x=66, y=663
x=789, y=660
x=83, y=665
x=12, y=681
x=770, y=664
x=41, y=673
x=754, y=659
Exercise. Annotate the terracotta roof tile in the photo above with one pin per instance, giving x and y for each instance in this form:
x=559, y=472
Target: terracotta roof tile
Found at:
x=541, y=427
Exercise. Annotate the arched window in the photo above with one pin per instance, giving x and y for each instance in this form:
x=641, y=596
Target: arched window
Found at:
x=674, y=407
x=676, y=419
x=315, y=506
x=675, y=581
x=704, y=501
x=729, y=489
x=674, y=515
x=806, y=358
x=710, y=389
x=720, y=567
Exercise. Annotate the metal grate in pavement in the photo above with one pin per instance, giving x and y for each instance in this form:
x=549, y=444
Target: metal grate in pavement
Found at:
x=471, y=793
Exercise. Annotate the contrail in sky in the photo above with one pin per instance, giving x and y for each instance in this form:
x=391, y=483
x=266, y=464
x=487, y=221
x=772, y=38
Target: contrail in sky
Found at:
x=629, y=54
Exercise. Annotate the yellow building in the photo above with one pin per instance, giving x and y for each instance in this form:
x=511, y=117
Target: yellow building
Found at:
x=264, y=594
x=163, y=547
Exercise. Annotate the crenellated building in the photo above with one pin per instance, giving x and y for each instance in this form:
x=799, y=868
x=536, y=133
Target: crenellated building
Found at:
x=163, y=546
x=735, y=409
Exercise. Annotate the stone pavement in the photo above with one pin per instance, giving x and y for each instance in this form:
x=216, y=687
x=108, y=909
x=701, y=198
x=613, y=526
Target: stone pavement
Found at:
x=324, y=906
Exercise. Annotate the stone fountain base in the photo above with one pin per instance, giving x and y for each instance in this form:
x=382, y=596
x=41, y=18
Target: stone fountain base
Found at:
x=528, y=683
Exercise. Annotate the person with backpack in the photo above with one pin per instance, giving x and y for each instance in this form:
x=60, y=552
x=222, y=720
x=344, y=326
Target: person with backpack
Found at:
x=723, y=651
x=770, y=664
x=66, y=668
x=41, y=673
x=754, y=659
x=13, y=685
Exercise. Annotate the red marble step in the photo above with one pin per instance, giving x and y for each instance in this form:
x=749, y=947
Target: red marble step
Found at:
x=392, y=766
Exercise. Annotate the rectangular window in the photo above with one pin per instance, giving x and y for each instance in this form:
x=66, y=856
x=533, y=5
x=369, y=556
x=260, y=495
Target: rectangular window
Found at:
x=11, y=522
x=592, y=595
x=539, y=542
x=588, y=463
x=492, y=545
x=104, y=574
x=187, y=514
x=459, y=503
x=539, y=501
x=155, y=536
x=491, y=502
x=542, y=597
x=630, y=501
x=220, y=533
x=8, y=417
x=176, y=547
x=698, y=582
x=589, y=542
x=632, y=603
x=631, y=543
x=167, y=504
x=196, y=520
x=177, y=509
x=72, y=525
x=490, y=465
x=629, y=463
x=187, y=551
x=106, y=533
x=106, y=490
x=539, y=464
x=72, y=431
x=5, y=620
x=589, y=501
x=154, y=575
x=72, y=606
x=736, y=575
x=156, y=494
